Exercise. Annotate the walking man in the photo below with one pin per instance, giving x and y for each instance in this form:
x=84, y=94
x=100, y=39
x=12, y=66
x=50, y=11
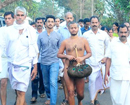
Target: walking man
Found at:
x=69, y=45
x=118, y=62
x=98, y=41
x=22, y=51
x=9, y=20
x=49, y=42
x=37, y=83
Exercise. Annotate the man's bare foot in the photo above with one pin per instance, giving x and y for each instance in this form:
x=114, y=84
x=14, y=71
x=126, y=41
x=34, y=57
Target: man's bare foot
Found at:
x=47, y=102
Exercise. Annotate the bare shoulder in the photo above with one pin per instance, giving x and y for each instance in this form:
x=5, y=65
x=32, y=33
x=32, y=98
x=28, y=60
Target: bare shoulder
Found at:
x=83, y=39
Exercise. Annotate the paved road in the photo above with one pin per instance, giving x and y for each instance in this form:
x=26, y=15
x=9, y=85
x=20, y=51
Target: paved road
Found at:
x=104, y=98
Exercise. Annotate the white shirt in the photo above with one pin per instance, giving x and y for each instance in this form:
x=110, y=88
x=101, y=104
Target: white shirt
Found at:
x=120, y=59
x=97, y=42
x=18, y=46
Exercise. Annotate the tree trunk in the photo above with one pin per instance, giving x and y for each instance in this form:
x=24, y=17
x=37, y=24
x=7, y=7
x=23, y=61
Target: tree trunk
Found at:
x=6, y=2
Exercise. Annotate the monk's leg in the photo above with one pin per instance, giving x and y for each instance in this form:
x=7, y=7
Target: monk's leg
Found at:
x=70, y=87
x=79, y=83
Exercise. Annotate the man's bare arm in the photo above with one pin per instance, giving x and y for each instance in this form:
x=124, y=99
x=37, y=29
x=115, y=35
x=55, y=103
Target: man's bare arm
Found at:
x=34, y=72
x=108, y=64
x=88, y=50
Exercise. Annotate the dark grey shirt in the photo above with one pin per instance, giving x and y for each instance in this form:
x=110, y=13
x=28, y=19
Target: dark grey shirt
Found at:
x=48, y=46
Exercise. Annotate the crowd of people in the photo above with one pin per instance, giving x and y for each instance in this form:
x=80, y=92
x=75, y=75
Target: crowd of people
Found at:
x=44, y=50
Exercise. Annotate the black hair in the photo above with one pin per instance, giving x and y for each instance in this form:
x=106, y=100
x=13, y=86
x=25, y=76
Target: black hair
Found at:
x=62, y=19
x=32, y=23
x=50, y=16
x=9, y=13
x=115, y=23
x=104, y=27
x=80, y=20
x=93, y=17
x=39, y=18
x=86, y=20
x=122, y=26
x=110, y=29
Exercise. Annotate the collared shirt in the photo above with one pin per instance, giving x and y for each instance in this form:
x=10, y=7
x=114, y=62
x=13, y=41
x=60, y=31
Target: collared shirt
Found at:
x=119, y=53
x=64, y=31
x=18, y=45
x=48, y=46
x=84, y=30
x=97, y=42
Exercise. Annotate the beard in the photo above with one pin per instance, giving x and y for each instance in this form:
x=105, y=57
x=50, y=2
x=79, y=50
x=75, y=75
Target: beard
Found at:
x=49, y=27
x=73, y=34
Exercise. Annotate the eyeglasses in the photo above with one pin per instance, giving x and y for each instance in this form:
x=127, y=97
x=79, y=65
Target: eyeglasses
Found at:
x=20, y=15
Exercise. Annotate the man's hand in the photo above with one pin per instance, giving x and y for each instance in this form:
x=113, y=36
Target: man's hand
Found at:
x=79, y=59
x=103, y=60
x=106, y=80
x=70, y=57
x=33, y=74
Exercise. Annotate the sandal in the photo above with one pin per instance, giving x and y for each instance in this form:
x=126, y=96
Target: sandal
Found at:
x=65, y=102
x=96, y=102
x=61, y=86
x=42, y=95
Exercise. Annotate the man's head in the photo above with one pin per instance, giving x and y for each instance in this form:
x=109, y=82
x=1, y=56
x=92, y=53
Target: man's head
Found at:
x=94, y=22
x=128, y=25
x=33, y=24
x=68, y=17
x=115, y=26
x=123, y=33
x=20, y=14
x=9, y=18
x=57, y=22
x=73, y=28
x=86, y=22
x=81, y=21
x=50, y=21
x=62, y=20
x=105, y=28
x=39, y=23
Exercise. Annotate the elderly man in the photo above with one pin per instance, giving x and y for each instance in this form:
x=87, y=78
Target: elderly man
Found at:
x=9, y=19
x=118, y=61
x=22, y=51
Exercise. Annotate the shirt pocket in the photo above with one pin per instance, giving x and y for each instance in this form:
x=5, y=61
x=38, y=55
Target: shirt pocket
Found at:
x=24, y=41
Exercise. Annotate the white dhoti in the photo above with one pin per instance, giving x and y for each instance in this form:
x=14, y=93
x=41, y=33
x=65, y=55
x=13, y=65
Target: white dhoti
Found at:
x=120, y=92
x=4, y=69
x=96, y=82
x=19, y=76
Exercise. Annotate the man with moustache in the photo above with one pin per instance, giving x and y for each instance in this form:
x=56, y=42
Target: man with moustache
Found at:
x=57, y=24
x=37, y=83
x=97, y=39
x=49, y=42
x=69, y=45
x=9, y=20
x=64, y=32
x=22, y=51
x=118, y=61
